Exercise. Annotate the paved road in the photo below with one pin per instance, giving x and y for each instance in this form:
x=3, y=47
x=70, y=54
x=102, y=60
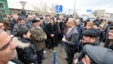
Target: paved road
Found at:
x=60, y=55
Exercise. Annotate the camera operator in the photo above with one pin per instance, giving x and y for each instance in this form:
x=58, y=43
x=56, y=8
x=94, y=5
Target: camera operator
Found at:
x=96, y=55
x=90, y=36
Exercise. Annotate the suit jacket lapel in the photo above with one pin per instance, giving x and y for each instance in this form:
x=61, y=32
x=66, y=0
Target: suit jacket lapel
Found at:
x=69, y=34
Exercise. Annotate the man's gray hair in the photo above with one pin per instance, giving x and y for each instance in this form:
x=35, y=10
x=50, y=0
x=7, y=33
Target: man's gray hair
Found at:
x=73, y=20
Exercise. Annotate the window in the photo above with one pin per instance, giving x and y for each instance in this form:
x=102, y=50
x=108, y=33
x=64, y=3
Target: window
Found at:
x=1, y=6
x=2, y=13
x=2, y=10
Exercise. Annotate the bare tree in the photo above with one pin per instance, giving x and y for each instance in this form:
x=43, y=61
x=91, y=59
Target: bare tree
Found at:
x=44, y=8
x=52, y=9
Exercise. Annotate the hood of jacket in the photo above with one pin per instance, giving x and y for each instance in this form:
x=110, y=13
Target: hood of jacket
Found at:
x=20, y=42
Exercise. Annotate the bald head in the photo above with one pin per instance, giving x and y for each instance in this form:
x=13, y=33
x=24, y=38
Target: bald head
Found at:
x=15, y=17
x=71, y=20
x=30, y=17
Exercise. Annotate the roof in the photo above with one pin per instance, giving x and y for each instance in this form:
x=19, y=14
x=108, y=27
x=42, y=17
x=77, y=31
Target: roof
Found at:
x=17, y=5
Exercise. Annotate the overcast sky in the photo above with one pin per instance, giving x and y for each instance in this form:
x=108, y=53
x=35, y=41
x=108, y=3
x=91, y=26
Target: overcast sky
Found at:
x=80, y=4
x=70, y=3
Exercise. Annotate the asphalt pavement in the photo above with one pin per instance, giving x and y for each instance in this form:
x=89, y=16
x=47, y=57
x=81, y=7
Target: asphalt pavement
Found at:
x=60, y=56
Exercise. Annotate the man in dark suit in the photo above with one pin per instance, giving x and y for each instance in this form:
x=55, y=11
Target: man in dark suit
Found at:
x=71, y=40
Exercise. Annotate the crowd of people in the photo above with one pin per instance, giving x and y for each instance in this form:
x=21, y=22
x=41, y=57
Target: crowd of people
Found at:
x=23, y=39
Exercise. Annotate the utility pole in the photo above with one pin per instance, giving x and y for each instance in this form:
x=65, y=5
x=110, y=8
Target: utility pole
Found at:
x=74, y=12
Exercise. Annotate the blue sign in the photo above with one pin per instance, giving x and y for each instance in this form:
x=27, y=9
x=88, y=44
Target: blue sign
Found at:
x=59, y=8
x=89, y=10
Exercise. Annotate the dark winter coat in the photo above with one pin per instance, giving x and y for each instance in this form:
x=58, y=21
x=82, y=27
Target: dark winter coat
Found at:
x=107, y=44
x=80, y=29
x=17, y=27
x=26, y=51
x=97, y=22
x=12, y=23
x=51, y=29
x=29, y=23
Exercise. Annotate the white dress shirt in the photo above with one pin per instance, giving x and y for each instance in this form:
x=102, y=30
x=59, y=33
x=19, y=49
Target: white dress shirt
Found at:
x=69, y=29
x=10, y=62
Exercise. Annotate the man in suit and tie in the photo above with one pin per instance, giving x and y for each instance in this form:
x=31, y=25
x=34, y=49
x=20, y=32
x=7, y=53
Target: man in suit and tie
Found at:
x=71, y=40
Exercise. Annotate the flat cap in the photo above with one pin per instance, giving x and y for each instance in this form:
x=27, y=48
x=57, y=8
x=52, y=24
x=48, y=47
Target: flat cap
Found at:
x=36, y=20
x=91, y=32
x=98, y=54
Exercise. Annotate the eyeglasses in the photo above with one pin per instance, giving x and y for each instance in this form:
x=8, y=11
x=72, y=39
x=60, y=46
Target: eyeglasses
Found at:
x=6, y=45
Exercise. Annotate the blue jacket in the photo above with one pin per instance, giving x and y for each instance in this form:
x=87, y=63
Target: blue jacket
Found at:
x=80, y=29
